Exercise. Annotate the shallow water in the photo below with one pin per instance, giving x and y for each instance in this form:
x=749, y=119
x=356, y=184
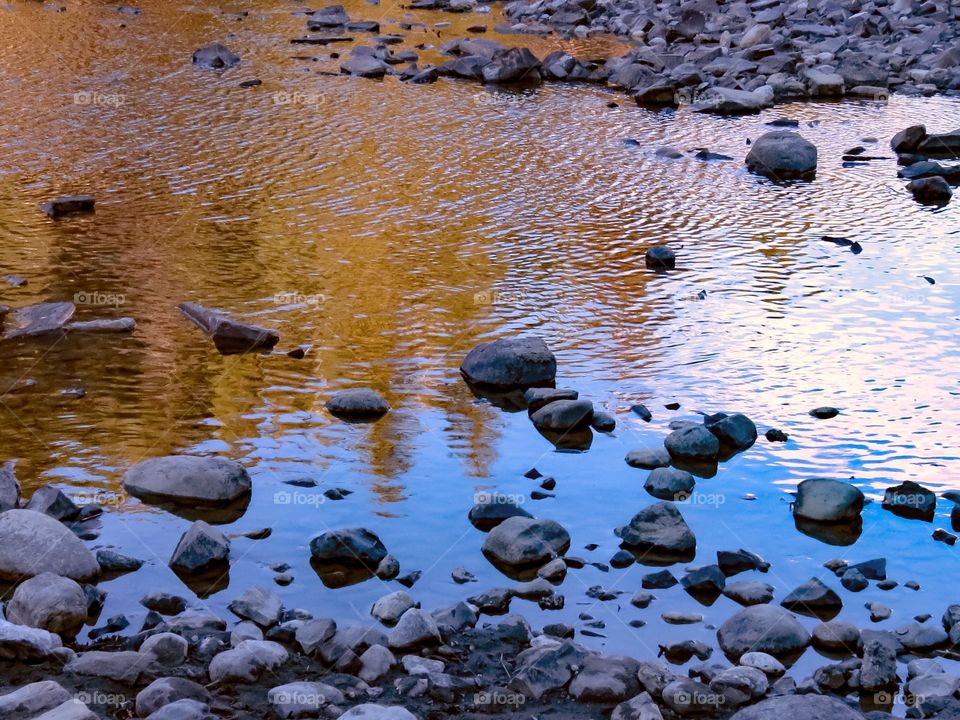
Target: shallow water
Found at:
x=393, y=227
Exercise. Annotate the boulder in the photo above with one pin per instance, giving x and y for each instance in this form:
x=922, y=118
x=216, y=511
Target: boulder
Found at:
x=659, y=529
x=668, y=483
x=375, y=662
x=415, y=629
x=520, y=542
x=510, y=363
x=910, y=500
x=829, y=501
x=68, y=205
x=563, y=415
x=32, y=543
x=837, y=636
x=390, y=608
x=229, y=336
x=514, y=65
x=18, y=642
x=166, y=648
x=740, y=685
x=125, y=667
x=692, y=443
x=36, y=320
x=492, y=509
x=351, y=547
x=879, y=667
x=824, y=82
x=188, y=480
x=736, y=432
x=201, y=549
x=606, y=679
x=9, y=485
x=164, y=691
x=302, y=699
x=215, y=56
x=749, y=592
x=728, y=101
x=931, y=190
x=358, y=404
x=762, y=628
x=782, y=155
x=32, y=700
x=798, y=707
x=813, y=598
x=50, y=602
x=660, y=257
x=259, y=605
x=247, y=662
x=908, y=140
x=648, y=459
x=943, y=145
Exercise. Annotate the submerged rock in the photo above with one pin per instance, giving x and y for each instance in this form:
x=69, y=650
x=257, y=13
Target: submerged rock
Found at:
x=36, y=320
x=68, y=205
x=229, y=336
x=358, y=404
x=510, y=363
x=735, y=432
x=215, y=56
x=782, y=155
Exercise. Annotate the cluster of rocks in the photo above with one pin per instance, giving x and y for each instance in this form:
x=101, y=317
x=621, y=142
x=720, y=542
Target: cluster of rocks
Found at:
x=930, y=181
x=54, y=318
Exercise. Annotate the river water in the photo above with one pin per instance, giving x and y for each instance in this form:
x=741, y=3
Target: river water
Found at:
x=391, y=228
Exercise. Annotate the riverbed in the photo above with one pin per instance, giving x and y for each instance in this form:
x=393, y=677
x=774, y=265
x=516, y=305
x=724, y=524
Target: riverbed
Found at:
x=390, y=228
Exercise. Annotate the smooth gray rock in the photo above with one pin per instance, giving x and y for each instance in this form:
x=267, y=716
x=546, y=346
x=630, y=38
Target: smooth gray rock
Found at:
x=538, y=397
x=185, y=709
x=352, y=547
x=516, y=64
x=390, y=608
x=563, y=415
x=167, y=648
x=247, y=662
x=762, y=628
x=53, y=502
x=798, y=707
x=18, y=642
x=813, y=598
x=415, y=629
x=648, y=459
x=259, y=605
x=782, y=155
x=49, y=602
x=9, y=485
x=735, y=431
x=36, y=320
x=302, y=699
x=491, y=509
x=372, y=711
x=358, y=404
x=739, y=685
x=188, y=479
x=33, y=699
x=215, y=56
x=640, y=707
x=829, y=501
x=32, y=543
x=523, y=542
x=375, y=662
x=510, y=363
x=670, y=484
x=606, y=679
x=879, y=667
x=112, y=325
x=749, y=592
x=692, y=443
x=729, y=101
x=314, y=633
x=659, y=528
x=837, y=636
x=125, y=667
x=111, y=561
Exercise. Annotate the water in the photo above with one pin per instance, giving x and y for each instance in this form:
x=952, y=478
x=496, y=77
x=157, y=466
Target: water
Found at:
x=391, y=228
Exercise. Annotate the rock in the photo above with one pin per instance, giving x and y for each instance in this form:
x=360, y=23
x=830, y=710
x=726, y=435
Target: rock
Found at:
x=728, y=101
x=932, y=692
x=944, y=145
x=18, y=642
x=390, y=608
x=931, y=190
x=749, y=592
x=640, y=707
x=314, y=633
x=798, y=707
x=365, y=66
x=201, y=549
x=689, y=697
x=538, y=397
x=879, y=667
x=371, y=711
x=122, y=667
x=303, y=699
x=909, y=139
x=648, y=459
x=164, y=691
x=50, y=602
x=460, y=575
x=782, y=155
x=457, y=617
x=878, y=611
x=166, y=648
x=510, y=363
x=258, y=605
x=692, y=443
x=740, y=685
x=113, y=325
x=606, y=679
x=563, y=415
x=358, y=404
x=247, y=662
x=813, y=598
x=32, y=543
x=823, y=82
x=854, y=581
x=670, y=484
x=660, y=257
x=659, y=529
x=659, y=580
x=603, y=422
x=837, y=636
x=825, y=500
x=185, y=709
x=164, y=603
x=735, y=562
x=114, y=563
x=547, y=668
x=188, y=480
x=512, y=66
x=352, y=547
x=247, y=630
x=824, y=413
x=331, y=16
x=389, y=568
x=36, y=320
x=229, y=336
x=921, y=638
x=9, y=485
x=51, y=501
x=33, y=699
x=735, y=432
x=215, y=56
x=910, y=500
x=767, y=664
x=68, y=205
x=708, y=581
x=520, y=542
x=762, y=628
x=375, y=662
x=415, y=629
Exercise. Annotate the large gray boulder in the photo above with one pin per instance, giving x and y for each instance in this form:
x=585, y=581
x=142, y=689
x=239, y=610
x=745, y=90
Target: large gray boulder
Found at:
x=782, y=155
x=247, y=661
x=50, y=602
x=799, y=707
x=762, y=628
x=514, y=65
x=33, y=699
x=659, y=529
x=18, y=642
x=829, y=501
x=32, y=543
x=520, y=542
x=188, y=479
x=563, y=415
x=510, y=363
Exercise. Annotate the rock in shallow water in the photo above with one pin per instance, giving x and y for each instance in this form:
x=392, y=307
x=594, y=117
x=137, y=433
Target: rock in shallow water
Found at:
x=782, y=155
x=692, y=443
x=201, y=549
x=762, y=628
x=659, y=530
x=563, y=415
x=49, y=602
x=350, y=547
x=660, y=257
x=229, y=336
x=829, y=501
x=510, y=363
x=520, y=542
x=215, y=57
x=799, y=707
x=188, y=479
x=358, y=404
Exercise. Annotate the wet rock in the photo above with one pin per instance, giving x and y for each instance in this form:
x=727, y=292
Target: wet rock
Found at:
x=329, y=17
x=185, y=709
x=33, y=700
x=921, y=638
x=512, y=66
x=909, y=139
x=767, y=664
x=640, y=707
x=36, y=320
x=728, y=101
x=660, y=257
x=415, y=629
x=9, y=485
x=854, y=581
x=51, y=501
x=314, y=633
x=215, y=56
x=670, y=484
x=68, y=205
x=113, y=325
x=112, y=562
x=659, y=529
x=563, y=415
x=390, y=608
x=648, y=459
x=510, y=363
x=201, y=549
x=460, y=575
x=166, y=648
x=50, y=602
x=538, y=397
x=523, y=542
x=544, y=669
x=358, y=404
x=187, y=479
x=708, y=581
x=659, y=580
x=692, y=444
x=782, y=155
x=689, y=697
x=775, y=435
x=828, y=501
x=371, y=711
x=943, y=145
x=365, y=66
x=18, y=642
x=681, y=618
x=798, y=707
x=735, y=432
x=164, y=603
x=32, y=543
x=351, y=547
x=247, y=662
x=606, y=679
x=389, y=568
x=259, y=605
x=910, y=500
x=735, y=562
x=931, y=190
x=229, y=336
x=123, y=667
x=879, y=667
x=495, y=601
x=824, y=413
x=813, y=598
x=878, y=611
x=762, y=628
x=749, y=592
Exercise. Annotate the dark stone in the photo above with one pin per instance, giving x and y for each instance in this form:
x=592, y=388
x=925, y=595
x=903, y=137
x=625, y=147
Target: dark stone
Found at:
x=351, y=547
x=68, y=205
x=660, y=257
x=910, y=500
x=215, y=57
x=229, y=336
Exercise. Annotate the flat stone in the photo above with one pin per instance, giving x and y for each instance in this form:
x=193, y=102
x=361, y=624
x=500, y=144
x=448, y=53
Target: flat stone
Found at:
x=36, y=320
x=188, y=479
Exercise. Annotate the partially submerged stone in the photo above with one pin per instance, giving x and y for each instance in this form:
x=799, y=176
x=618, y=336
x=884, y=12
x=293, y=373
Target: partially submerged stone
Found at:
x=510, y=363
x=68, y=205
x=188, y=479
x=230, y=336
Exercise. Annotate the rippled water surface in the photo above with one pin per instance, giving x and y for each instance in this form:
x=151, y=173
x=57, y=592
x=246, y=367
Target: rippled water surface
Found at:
x=391, y=228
